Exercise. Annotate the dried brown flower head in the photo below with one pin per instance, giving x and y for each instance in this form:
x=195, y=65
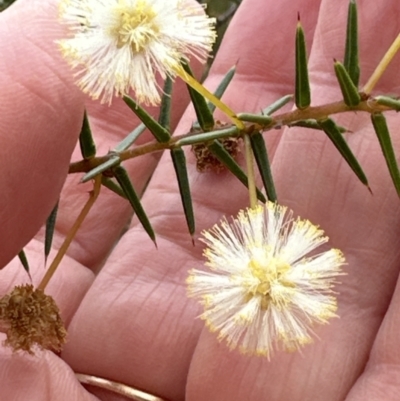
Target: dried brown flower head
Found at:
x=205, y=160
x=31, y=317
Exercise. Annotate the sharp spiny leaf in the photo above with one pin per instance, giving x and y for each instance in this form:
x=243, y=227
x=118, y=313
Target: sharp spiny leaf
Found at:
x=207, y=136
x=221, y=88
x=278, y=104
x=130, y=139
x=86, y=142
x=160, y=133
x=334, y=134
x=203, y=112
x=382, y=132
x=164, y=119
x=123, y=180
x=49, y=231
x=302, y=85
x=255, y=118
x=24, y=261
x=179, y=160
x=313, y=124
x=113, y=186
x=389, y=102
x=261, y=156
x=111, y=162
x=351, y=52
x=227, y=160
x=350, y=92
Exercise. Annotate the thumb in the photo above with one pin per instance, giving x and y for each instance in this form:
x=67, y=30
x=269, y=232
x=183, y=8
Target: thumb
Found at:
x=40, y=117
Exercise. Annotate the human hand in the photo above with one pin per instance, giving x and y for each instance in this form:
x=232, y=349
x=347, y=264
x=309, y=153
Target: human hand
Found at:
x=135, y=324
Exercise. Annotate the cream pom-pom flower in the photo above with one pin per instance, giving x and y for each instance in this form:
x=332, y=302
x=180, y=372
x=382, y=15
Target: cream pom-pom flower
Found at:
x=265, y=291
x=118, y=45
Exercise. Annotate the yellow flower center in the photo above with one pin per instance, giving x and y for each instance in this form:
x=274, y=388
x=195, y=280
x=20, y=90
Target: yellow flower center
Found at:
x=136, y=27
x=266, y=275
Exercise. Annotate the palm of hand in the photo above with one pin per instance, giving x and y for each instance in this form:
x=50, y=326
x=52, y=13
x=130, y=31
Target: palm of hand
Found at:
x=135, y=324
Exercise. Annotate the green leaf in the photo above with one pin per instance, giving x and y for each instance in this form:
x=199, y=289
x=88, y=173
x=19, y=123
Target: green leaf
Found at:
x=255, y=118
x=130, y=139
x=160, y=133
x=203, y=113
x=123, y=180
x=49, y=231
x=334, y=134
x=229, y=162
x=165, y=106
x=389, y=102
x=351, y=52
x=302, y=85
x=86, y=142
x=313, y=124
x=24, y=261
x=113, y=186
x=261, y=156
x=111, y=162
x=382, y=132
x=221, y=88
x=350, y=92
x=179, y=160
x=278, y=104
x=207, y=136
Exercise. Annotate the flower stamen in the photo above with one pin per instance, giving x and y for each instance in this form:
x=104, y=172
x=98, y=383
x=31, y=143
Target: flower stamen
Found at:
x=136, y=26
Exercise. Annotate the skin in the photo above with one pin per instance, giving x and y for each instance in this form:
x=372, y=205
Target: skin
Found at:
x=131, y=321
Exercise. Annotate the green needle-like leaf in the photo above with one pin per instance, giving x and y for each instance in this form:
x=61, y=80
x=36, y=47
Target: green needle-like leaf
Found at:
x=164, y=118
x=221, y=88
x=351, y=52
x=130, y=139
x=111, y=162
x=49, y=231
x=255, y=118
x=203, y=112
x=261, y=156
x=179, y=160
x=350, y=92
x=278, y=104
x=86, y=142
x=389, y=102
x=160, y=133
x=113, y=186
x=123, y=180
x=24, y=261
x=229, y=162
x=382, y=132
x=334, y=134
x=313, y=124
x=208, y=136
x=302, y=85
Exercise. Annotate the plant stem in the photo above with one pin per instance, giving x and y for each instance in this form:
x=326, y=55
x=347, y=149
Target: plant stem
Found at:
x=71, y=234
x=314, y=112
x=250, y=172
x=381, y=68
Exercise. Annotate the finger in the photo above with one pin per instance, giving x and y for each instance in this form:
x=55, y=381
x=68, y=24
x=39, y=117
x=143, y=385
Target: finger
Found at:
x=45, y=377
x=38, y=128
x=380, y=379
x=315, y=181
x=147, y=325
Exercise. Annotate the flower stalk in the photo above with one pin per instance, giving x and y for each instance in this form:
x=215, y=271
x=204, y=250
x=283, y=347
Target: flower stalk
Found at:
x=250, y=172
x=382, y=66
x=71, y=234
